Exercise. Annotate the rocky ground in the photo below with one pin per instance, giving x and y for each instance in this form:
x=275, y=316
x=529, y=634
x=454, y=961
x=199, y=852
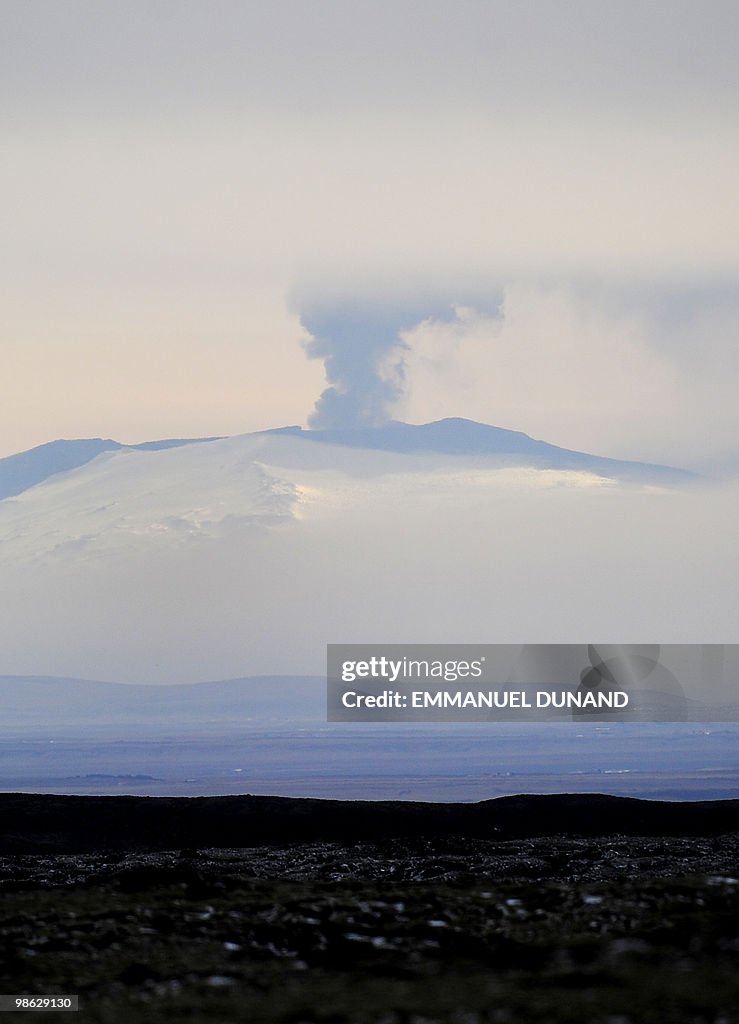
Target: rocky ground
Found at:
x=605, y=929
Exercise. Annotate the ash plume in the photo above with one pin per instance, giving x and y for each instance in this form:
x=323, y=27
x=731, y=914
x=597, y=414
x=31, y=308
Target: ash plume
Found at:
x=364, y=357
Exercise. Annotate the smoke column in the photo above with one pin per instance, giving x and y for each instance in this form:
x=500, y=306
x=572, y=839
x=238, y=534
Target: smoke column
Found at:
x=363, y=354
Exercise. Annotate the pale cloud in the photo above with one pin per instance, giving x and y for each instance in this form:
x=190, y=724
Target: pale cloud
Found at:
x=346, y=55
x=582, y=373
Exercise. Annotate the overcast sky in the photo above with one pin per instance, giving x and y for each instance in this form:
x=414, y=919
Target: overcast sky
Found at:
x=180, y=180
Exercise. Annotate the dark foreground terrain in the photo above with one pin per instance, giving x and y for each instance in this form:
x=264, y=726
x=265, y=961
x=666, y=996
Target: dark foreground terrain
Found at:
x=556, y=909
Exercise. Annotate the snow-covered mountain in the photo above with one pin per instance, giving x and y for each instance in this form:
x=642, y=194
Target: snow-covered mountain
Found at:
x=97, y=495
x=26, y=469
x=462, y=437
x=454, y=436
x=189, y=560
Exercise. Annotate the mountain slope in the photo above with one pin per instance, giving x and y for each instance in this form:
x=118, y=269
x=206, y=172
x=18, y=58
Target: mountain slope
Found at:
x=89, y=707
x=26, y=469
x=458, y=436
x=448, y=437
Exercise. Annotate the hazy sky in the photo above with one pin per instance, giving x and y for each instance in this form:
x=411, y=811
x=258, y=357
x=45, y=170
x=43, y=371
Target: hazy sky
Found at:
x=182, y=180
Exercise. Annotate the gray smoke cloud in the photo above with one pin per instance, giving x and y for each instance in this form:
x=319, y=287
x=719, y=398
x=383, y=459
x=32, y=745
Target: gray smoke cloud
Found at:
x=363, y=353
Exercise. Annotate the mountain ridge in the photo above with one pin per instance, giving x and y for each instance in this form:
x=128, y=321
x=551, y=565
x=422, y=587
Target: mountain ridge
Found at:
x=456, y=435
x=452, y=436
x=21, y=471
x=76, y=824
